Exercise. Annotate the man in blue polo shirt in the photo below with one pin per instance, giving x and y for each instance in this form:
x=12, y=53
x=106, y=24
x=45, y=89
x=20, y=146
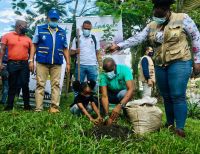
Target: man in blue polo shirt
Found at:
x=117, y=87
x=50, y=45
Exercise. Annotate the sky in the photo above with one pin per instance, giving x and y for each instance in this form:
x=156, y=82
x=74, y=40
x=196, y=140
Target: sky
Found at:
x=8, y=17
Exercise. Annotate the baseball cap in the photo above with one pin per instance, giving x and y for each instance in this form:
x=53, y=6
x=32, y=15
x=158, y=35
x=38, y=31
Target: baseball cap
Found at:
x=53, y=13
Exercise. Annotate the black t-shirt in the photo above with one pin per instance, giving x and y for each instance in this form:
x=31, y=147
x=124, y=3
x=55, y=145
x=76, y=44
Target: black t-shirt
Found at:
x=84, y=100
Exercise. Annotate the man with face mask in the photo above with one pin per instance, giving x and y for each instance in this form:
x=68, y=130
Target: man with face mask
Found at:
x=89, y=53
x=50, y=46
x=117, y=87
x=18, y=46
x=147, y=72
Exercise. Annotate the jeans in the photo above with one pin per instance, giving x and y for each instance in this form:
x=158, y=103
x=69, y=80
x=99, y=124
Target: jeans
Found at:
x=172, y=83
x=4, y=90
x=77, y=111
x=18, y=78
x=116, y=97
x=87, y=70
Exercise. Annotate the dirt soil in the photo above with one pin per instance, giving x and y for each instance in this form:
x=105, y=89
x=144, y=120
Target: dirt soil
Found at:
x=112, y=131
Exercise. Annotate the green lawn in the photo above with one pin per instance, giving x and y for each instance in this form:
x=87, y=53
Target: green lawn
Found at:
x=30, y=132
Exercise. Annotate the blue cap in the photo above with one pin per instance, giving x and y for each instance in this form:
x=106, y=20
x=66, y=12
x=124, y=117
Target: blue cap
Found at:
x=53, y=13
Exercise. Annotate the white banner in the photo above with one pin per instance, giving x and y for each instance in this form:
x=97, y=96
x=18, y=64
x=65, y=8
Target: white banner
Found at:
x=32, y=84
x=107, y=30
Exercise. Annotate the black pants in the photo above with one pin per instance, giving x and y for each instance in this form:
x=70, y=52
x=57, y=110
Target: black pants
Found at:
x=18, y=78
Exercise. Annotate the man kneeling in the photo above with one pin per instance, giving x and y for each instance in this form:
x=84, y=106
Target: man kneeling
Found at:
x=117, y=87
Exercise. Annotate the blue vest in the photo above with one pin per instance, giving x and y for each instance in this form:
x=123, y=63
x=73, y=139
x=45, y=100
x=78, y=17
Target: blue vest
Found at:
x=47, y=52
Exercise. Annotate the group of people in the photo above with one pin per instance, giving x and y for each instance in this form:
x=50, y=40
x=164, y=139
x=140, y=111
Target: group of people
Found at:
x=167, y=35
x=50, y=45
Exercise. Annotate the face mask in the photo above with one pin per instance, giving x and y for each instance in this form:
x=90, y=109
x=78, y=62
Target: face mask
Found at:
x=53, y=24
x=23, y=30
x=87, y=96
x=111, y=75
x=86, y=32
x=159, y=21
x=150, y=54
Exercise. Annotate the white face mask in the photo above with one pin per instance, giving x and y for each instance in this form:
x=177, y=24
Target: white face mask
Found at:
x=111, y=75
x=86, y=33
x=87, y=96
x=159, y=21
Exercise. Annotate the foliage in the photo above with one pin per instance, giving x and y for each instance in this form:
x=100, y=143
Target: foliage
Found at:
x=31, y=132
x=43, y=6
x=108, y=33
x=195, y=14
x=187, y=5
x=194, y=110
x=17, y=5
x=133, y=13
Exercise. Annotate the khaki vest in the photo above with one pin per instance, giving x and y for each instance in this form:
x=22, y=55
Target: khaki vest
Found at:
x=175, y=45
x=151, y=70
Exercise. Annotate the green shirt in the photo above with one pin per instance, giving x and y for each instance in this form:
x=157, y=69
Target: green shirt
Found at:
x=123, y=74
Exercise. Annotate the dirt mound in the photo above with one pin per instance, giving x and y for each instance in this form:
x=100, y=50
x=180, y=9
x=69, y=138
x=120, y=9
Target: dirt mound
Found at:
x=112, y=131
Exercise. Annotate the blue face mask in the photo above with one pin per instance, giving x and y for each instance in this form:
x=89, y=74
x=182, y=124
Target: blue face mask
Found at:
x=86, y=32
x=53, y=24
x=111, y=75
x=159, y=21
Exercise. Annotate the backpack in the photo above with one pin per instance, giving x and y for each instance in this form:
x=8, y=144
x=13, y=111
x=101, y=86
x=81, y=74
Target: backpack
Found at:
x=94, y=40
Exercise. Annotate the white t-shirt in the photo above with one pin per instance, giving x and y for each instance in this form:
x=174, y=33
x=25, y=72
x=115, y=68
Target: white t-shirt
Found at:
x=87, y=50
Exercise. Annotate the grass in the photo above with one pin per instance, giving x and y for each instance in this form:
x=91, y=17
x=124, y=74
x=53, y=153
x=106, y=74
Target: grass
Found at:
x=30, y=132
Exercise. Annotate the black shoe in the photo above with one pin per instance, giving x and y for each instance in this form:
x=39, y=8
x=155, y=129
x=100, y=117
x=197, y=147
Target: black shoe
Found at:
x=8, y=108
x=180, y=133
x=27, y=107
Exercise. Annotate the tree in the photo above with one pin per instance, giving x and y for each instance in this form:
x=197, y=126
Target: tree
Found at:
x=133, y=13
x=192, y=7
x=187, y=5
x=137, y=13
x=43, y=6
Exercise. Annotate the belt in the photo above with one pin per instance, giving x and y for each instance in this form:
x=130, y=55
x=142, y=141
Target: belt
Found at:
x=17, y=61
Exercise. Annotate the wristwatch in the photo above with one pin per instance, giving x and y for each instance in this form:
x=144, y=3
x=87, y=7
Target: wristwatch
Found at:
x=122, y=105
x=30, y=60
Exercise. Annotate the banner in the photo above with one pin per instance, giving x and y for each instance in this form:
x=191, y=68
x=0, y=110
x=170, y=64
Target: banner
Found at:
x=32, y=84
x=107, y=30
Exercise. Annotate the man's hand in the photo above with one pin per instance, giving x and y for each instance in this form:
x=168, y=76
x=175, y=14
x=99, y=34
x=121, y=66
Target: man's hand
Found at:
x=78, y=51
x=112, y=48
x=117, y=108
x=114, y=115
x=68, y=68
x=31, y=66
x=100, y=119
x=1, y=66
x=94, y=121
x=150, y=82
x=196, y=69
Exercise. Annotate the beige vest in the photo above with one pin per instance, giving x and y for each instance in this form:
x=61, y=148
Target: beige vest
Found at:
x=151, y=70
x=175, y=45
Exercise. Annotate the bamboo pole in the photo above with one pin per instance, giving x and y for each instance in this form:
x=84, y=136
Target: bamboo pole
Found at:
x=78, y=56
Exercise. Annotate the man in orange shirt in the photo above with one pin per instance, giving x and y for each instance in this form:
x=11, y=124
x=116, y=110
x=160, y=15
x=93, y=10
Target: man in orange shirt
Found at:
x=18, y=45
